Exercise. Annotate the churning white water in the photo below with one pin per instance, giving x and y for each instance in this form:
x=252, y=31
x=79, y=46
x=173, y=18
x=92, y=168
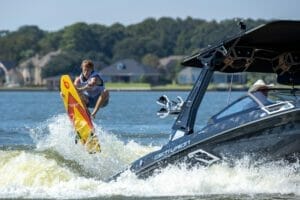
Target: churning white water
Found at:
x=57, y=168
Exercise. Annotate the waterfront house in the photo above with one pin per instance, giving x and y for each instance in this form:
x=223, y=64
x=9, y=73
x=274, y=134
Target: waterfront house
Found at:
x=188, y=75
x=31, y=69
x=9, y=74
x=53, y=83
x=129, y=70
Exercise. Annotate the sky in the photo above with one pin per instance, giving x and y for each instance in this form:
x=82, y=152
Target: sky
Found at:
x=53, y=15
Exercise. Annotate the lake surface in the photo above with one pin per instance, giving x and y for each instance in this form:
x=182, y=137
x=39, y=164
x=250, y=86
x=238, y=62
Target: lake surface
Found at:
x=38, y=157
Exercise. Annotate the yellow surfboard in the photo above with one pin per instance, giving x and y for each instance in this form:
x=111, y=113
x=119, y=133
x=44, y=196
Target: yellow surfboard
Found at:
x=79, y=115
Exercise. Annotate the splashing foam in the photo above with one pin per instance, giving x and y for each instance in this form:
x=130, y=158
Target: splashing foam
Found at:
x=114, y=157
x=32, y=174
x=217, y=179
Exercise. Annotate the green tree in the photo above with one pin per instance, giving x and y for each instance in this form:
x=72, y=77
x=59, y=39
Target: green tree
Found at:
x=108, y=37
x=50, y=42
x=130, y=48
x=145, y=41
x=78, y=37
x=65, y=63
x=151, y=60
x=187, y=28
x=20, y=44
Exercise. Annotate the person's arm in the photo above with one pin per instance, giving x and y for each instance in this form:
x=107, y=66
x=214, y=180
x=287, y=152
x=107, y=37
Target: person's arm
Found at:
x=83, y=88
x=77, y=81
x=77, y=85
x=92, y=82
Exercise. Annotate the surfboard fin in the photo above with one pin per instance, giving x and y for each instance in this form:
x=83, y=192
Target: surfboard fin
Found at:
x=77, y=138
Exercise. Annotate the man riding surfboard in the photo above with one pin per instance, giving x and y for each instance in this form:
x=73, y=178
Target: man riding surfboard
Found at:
x=91, y=87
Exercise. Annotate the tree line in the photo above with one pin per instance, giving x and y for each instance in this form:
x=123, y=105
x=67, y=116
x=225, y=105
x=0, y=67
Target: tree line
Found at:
x=145, y=41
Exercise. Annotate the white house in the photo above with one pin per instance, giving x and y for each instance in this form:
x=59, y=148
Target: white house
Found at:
x=189, y=75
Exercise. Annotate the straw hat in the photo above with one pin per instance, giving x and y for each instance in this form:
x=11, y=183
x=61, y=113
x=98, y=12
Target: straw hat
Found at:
x=259, y=85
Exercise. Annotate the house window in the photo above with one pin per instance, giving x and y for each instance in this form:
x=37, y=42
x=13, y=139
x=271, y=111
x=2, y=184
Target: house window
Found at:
x=121, y=66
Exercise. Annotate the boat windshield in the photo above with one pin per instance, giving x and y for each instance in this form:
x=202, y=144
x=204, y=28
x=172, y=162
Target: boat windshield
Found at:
x=274, y=101
x=241, y=105
x=263, y=97
x=272, y=96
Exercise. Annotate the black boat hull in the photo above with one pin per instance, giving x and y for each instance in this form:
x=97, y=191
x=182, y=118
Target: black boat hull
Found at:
x=269, y=139
x=264, y=124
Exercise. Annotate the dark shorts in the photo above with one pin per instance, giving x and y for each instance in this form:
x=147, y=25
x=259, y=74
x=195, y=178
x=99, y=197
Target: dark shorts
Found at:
x=93, y=100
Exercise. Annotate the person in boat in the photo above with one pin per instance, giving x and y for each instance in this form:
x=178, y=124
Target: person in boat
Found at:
x=91, y=87
x=260, y=90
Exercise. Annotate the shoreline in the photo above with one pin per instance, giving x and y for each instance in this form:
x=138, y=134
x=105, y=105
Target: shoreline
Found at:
x=135, y=87
x=42, y=89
